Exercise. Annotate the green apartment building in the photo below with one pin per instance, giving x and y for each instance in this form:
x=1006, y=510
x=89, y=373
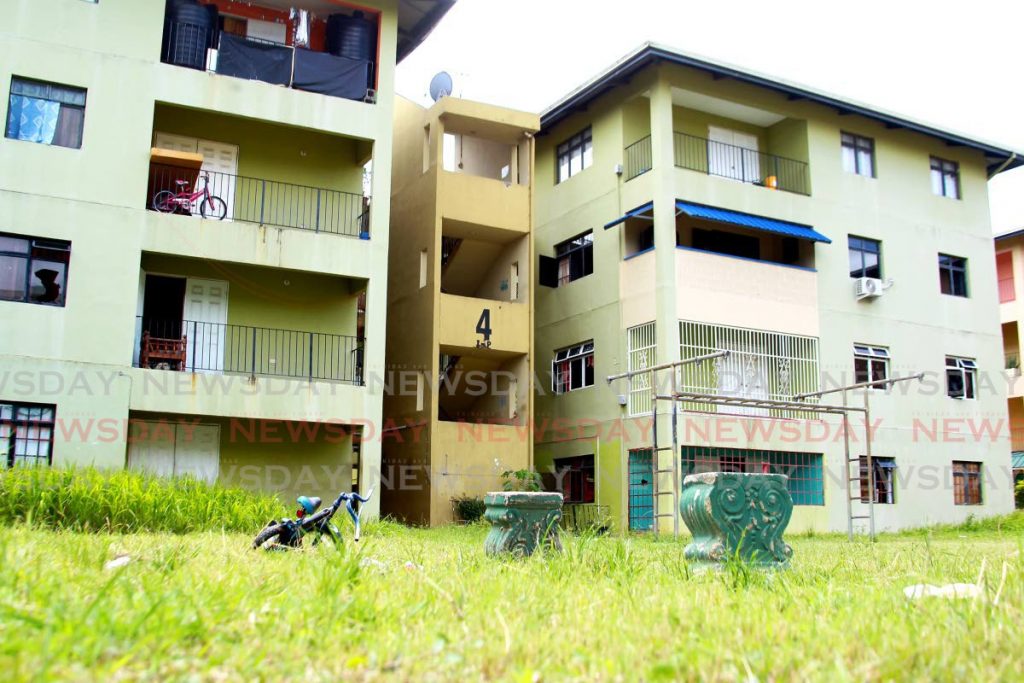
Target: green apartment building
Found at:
x=685, y=207
x=232, y=339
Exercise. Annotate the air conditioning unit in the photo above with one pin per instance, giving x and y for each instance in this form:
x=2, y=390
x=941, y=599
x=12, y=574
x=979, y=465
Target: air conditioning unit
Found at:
x=868, y=288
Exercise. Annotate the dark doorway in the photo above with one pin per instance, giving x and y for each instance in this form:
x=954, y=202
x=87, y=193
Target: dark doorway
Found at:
x=163, y=306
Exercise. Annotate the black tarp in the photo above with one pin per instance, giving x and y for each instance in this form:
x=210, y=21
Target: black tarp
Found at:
x=256, y=61
x=328, y=74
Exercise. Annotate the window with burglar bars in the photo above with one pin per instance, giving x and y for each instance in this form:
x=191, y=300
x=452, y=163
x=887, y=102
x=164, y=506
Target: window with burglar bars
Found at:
x=760, y=365
x=806, y=482
x=641, y=352
x=26, y=434
x=573, y=368
x=884, y=480
x=966, y=483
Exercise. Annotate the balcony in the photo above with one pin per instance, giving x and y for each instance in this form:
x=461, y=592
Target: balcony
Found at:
x=257, y=200
x=484, y=208
x=332, y=55
x=740, y=163
x=219, y=348
x=473, y=323
x=638, y=158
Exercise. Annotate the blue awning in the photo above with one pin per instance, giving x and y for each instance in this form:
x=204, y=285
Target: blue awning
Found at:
x=649, y=206
x=1018, y=459
x=711, y=213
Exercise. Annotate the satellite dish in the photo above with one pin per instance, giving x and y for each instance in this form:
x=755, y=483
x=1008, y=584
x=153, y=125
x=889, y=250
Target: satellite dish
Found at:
x=440, y=85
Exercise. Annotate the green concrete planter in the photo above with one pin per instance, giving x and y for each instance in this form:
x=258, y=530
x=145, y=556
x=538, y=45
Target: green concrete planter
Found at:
x=521, y=521
x=726, y=511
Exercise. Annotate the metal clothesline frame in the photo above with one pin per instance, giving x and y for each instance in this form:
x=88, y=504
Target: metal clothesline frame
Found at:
x=797, y=404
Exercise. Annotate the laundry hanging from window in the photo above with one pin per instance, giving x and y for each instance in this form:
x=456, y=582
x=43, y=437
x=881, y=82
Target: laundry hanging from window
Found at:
x=46, y=113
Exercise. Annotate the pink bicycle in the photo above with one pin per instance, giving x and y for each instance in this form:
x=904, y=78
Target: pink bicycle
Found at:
x=210, y=205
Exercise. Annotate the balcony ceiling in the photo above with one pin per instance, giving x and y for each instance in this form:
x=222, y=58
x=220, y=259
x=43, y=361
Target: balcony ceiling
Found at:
x=724, y=108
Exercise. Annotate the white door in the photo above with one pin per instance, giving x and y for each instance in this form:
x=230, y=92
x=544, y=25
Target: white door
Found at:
x=220, y=161
x=139, y=308
x=206, y=317
x=197, y=452
x=742, y=374
x=735, y=157
x=151, y=448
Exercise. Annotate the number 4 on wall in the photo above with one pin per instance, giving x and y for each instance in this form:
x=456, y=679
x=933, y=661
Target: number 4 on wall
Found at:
x=483, y=327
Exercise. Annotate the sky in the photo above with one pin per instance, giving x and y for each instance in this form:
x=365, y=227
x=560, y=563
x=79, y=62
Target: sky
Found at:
x=927, y=60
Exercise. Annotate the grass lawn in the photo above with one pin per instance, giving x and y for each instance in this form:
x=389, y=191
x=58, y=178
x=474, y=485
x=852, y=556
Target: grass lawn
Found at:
x=202, y=606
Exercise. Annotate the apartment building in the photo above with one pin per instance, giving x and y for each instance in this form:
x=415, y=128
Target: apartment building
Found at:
x=459, y=405
x=686, y=207
x=1010, y=275
x=193, y=248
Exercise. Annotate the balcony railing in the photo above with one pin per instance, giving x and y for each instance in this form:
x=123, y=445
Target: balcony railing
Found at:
x=216, y=348
x=270, y=202
x=580, y=517
x=205, y=48
x=739, y=163
x=638, y=158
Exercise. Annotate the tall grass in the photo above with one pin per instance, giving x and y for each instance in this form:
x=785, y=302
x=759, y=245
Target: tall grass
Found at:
x=122, y=501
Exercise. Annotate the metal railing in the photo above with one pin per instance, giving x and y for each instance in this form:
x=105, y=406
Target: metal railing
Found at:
x=580, y=517
x=739, y=163
x=217, y=348
x=638, y=158
x=270, y=202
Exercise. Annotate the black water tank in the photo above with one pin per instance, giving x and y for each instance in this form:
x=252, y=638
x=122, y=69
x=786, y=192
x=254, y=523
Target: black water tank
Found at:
x=187, y=35
x=352, y=36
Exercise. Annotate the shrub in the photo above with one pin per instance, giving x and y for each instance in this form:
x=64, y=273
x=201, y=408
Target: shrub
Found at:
x=522, y=480
x=122, y=501
x=1018, y=491
x=469, y=509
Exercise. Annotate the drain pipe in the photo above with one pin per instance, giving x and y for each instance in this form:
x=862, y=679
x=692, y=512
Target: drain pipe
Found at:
x=1002, y=167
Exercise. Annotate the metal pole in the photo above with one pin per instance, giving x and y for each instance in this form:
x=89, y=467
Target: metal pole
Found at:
x=846, y=471
x=263, y=198
x=871, y=467
x=675, y=460
x=860, y=385
x=253, y=368
x=656, y=501
x=665, y=366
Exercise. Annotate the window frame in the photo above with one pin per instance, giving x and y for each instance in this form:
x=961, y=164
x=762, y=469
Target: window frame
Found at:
x=872, y=356
x=9, y=431
x=862, y=248
x=579, y=478
x=562, y=363
x=884, y=466
x=966, y=471
x=29, y=256
x=948, y=171
x=53, y=95
x=948, y=267
x=967, y=368
x=857, y=143
x=581, y=248
x=583, y=141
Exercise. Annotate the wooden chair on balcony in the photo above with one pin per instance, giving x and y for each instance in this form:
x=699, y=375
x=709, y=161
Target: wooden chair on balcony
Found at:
x=163, y=353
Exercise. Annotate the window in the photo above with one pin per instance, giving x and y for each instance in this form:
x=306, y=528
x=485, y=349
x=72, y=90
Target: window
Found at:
x=573, y=368
x=945, y=178
x=966, y=483
x=806, y=481
x=884, y=468
x=46, y=112
x=33, y=270
x=961, y=377
x=26, y=434
x=858, y=154
x=952, y=275
x=575, y=258
x=577, y=477
x=870, y=363
x=574, y=155
x=865, y=257
x=1004, y=272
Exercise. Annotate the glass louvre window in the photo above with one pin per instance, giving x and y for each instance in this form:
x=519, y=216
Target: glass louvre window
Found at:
x=961, y=377
x=945, y=178
x=33, y=270
x=573, y=368
x=952, y=275
x=26, y=434
x=575, y=258
x=865, y=257
x=966, y=483
x=858, y=154
x=870, y=363
x=46, y=113
x=574, y=155
x=884, y=468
